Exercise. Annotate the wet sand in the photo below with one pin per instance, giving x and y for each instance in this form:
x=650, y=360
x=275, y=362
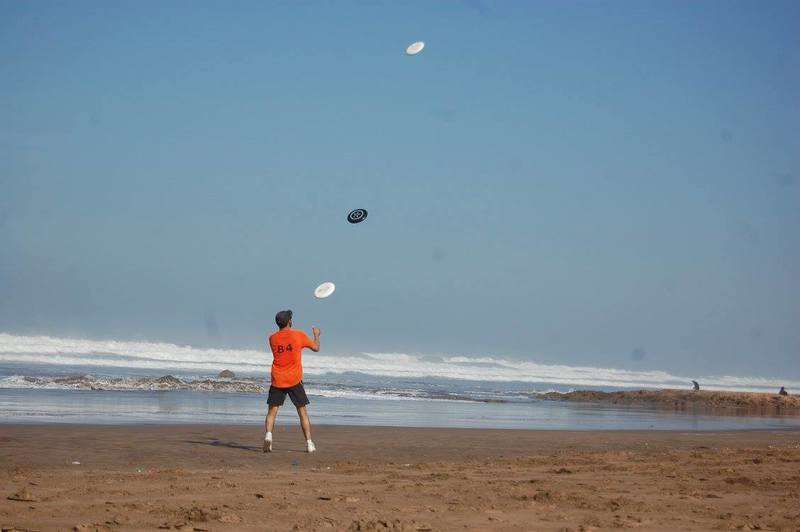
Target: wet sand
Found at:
x=362, y=478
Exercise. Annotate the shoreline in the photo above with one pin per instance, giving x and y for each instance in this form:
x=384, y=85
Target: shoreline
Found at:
x=28, y=407
x=215, y=477
x=284, y=424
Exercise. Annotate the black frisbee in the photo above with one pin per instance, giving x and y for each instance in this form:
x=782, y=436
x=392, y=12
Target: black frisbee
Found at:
x=357, y=216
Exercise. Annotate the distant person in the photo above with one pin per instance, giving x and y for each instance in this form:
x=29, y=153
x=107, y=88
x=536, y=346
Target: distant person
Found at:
x=287, y=375
x=783, y=391
x=695, y=386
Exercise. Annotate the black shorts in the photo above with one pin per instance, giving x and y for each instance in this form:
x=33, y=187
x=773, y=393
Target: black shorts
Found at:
x=296, y=393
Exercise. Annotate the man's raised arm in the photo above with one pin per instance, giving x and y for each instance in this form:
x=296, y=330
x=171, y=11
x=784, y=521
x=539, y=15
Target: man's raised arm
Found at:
x=315, y=342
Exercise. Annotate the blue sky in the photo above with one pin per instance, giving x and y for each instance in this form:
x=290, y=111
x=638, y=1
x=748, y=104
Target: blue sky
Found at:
x=600, y=183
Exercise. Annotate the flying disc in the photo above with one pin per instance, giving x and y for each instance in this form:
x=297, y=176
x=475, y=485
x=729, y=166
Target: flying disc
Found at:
x=357, y=216
x=324, y=290
x=415, y=48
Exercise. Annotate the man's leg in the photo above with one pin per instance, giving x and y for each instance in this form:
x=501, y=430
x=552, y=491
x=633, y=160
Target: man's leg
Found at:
x=305, y=423
x=269, y=424
x=272, y=413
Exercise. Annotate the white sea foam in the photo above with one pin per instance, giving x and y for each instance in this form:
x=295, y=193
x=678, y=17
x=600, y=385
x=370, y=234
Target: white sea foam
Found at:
x=164, y=357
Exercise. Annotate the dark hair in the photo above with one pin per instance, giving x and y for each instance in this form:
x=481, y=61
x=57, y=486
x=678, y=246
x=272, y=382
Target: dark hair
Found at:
x=283, y=318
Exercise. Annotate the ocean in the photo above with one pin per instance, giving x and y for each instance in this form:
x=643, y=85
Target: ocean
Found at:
x=57, y=380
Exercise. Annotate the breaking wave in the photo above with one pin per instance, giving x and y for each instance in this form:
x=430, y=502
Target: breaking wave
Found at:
x=160, y=358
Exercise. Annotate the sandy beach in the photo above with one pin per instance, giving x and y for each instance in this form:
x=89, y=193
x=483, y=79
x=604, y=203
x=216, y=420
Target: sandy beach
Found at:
x=64, y=477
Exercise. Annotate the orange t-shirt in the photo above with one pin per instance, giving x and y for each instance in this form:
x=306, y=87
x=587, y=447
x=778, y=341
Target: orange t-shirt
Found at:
x=287, y=366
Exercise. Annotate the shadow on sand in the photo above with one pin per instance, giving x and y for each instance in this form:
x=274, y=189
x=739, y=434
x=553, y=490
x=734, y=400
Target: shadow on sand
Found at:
x=234, y=445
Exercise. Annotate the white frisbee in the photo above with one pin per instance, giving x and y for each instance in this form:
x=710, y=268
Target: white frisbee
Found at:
x=324, y=290
x=415, y=48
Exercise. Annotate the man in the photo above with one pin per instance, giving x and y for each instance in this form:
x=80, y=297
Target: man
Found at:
x=287, y=375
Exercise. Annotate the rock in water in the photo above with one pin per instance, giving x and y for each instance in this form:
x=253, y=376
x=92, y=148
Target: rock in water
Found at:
x=168, y=379
x=226, y=374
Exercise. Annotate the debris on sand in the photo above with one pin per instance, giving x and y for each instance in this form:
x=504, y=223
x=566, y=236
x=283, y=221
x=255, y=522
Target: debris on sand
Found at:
x=229, y=518
x=194, y=514
x=22, y=495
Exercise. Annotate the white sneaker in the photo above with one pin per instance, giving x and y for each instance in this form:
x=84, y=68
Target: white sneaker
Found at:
x=310, y=446
x=267, y=448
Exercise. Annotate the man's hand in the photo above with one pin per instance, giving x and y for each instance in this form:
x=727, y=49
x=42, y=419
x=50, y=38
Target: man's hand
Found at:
x=316, y=332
